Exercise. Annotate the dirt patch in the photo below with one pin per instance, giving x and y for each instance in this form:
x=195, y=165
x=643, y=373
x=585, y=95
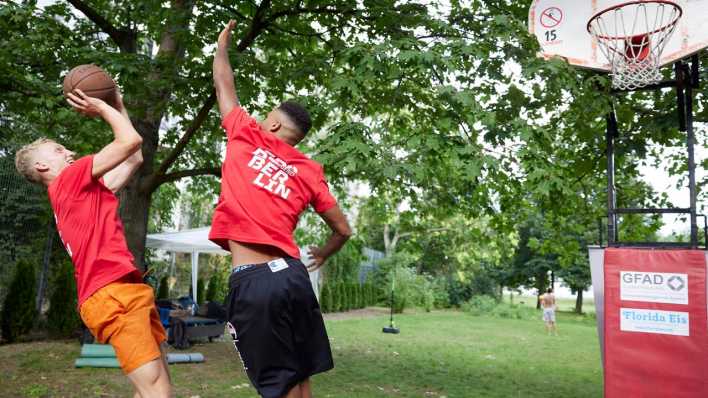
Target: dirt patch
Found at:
x=369, y=312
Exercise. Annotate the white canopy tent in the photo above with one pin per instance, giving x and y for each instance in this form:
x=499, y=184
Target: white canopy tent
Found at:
x=196, y=241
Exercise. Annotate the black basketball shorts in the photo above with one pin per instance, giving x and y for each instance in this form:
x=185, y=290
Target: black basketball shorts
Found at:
x=277, y=327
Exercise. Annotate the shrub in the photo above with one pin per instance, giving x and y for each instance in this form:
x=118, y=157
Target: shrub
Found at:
x=362, y=295
x=338, y=297
x=482, y=283
x=216, y=291
x=458, y=292
x=163, y=291
x=488, y=305
x=350, y=296
x=353, y=296
x=428, y=302
x=19, y=312
x=406, y=289
x=379, y=294
x=515, y=312
x=438, y=289
x=345, y=296
x=332, y=297
x=368, y=294
x=200, y=291
x=218, y=287
x=479, y=305
x=423, y=295
x=325, y=298
x=365, y=299
x=62, y=318
x=376, y=294
x=357, y=295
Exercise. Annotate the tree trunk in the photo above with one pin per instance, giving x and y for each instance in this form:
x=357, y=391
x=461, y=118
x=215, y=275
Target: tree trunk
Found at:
x=135, y=209
x=579, y=302
x=135, y=197
x=541, y=283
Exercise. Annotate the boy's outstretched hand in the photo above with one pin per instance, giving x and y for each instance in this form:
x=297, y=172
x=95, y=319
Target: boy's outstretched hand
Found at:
x=223, y=74
x=225, y=35
x=88, y=106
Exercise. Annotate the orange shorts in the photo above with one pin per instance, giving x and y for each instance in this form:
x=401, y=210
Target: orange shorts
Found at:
x=124, y=315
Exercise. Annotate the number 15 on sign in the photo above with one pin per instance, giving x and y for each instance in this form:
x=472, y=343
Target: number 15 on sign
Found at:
x=551, y=35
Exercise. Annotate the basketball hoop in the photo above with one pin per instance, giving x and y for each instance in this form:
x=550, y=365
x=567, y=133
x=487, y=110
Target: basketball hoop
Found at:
x=633, y=36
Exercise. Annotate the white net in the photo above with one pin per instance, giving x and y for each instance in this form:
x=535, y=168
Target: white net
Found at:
x=633, y=36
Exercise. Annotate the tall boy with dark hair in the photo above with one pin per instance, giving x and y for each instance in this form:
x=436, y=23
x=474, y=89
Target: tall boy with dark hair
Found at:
x=274, y=317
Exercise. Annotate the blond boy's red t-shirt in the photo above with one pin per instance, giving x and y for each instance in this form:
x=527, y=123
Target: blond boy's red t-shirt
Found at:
x=265, y=185
x=86, y=213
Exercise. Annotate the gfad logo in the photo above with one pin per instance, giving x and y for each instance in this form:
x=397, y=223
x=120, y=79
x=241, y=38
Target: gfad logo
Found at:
x=676, y=283
x=654, y=287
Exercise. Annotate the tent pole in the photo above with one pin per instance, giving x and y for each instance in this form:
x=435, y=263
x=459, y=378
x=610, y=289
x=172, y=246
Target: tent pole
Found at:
x=195, y=273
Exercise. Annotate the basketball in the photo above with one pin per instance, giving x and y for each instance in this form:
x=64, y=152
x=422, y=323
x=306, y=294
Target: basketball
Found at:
x=92, y=80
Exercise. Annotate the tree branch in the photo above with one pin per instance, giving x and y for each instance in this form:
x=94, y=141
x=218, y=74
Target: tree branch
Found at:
x=177, y=175
x=315, y=10
x=257, y=26
x=157, y=178
x=124, y=38
x=234, y=11
x=184, y=140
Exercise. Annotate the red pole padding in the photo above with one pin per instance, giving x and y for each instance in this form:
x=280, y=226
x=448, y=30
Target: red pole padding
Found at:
x=656, y=337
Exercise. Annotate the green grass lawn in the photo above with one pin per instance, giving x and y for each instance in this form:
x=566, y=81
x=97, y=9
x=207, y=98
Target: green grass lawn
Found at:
x=439, y=354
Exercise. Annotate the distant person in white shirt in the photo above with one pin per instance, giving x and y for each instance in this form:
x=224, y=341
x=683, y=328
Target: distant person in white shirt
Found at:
x=548, y=303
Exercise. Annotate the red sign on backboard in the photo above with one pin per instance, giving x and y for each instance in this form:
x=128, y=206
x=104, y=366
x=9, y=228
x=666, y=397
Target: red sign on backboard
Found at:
x=551, y=17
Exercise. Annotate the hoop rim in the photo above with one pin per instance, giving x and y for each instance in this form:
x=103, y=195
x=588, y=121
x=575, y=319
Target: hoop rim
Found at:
x=629, y=3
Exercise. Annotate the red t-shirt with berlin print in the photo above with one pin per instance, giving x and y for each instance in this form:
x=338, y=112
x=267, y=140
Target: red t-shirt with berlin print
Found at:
x=265, y=185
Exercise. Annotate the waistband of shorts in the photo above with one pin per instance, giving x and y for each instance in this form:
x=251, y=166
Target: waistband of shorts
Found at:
x=247, y=271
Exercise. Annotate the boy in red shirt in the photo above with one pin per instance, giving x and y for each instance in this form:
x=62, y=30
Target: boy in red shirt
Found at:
x=114, y=303
x=274, y=316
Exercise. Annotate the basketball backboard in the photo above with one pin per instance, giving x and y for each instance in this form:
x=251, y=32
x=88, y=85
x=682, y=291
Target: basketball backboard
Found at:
x=561, y=28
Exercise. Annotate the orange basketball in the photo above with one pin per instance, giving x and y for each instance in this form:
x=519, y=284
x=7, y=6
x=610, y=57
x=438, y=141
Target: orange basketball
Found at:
x=92, y=80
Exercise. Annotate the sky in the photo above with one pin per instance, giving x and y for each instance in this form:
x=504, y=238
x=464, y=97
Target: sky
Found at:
x=661, y=181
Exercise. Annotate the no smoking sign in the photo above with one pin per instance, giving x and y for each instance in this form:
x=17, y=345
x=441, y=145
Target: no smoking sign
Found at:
x=551, y=17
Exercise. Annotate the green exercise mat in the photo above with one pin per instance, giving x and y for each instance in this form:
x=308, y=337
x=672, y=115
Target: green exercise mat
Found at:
x=104, y=356
x=97, y=351
x=97, y=363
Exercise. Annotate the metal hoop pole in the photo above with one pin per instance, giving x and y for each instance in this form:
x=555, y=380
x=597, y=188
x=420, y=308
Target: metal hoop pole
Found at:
x=690, y=138
x=611, y=202
x=680, y=97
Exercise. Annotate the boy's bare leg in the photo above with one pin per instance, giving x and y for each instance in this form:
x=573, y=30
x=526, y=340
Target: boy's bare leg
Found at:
x=294, y=392
x=163, y=356
x=306, y=389
x=151, y=380
x=302, y=390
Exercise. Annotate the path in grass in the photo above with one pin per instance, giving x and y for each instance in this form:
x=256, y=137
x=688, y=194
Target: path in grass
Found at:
x=448, y=353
